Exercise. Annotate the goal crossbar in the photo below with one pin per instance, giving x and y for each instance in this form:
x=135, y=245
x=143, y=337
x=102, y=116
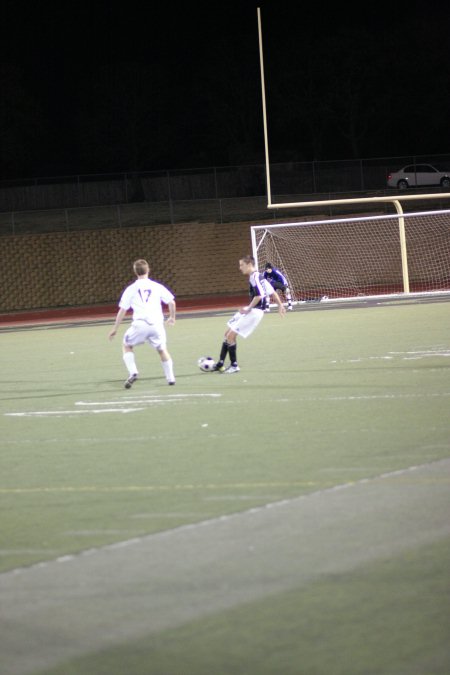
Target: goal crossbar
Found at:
x=393, y=199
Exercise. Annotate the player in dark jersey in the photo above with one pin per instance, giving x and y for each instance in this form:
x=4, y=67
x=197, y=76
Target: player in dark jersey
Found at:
x=247, y=318
x=277, y=279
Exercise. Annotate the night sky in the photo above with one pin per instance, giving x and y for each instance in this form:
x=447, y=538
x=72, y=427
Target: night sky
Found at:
x=99, y=88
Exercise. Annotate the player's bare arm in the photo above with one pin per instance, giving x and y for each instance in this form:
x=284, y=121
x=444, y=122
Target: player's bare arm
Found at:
x=254, y=302
x=172, y=313
x=120, y=314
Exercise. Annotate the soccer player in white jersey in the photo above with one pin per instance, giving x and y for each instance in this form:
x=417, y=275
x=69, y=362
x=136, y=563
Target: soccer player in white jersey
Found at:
x=144, y=297
x=245, y=320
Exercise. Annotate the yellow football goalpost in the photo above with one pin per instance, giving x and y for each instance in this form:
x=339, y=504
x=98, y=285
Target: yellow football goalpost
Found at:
x=353, y=257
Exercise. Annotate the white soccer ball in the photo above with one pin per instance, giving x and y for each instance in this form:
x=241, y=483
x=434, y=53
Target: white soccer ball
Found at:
x=206, y=363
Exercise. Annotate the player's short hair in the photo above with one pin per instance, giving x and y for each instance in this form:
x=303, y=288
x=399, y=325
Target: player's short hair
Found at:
x=248, y=259
x=140, y=267
x=268, y=266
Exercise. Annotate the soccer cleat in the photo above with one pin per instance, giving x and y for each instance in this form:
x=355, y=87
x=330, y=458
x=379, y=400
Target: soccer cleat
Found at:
x=130, y=381
x=267, y=309
x=290, y=308
x=171, y=382
x=233, y=369
x=219, y=367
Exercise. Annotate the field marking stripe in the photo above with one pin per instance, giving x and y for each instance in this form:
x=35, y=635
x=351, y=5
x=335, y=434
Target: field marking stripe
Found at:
x=379, y=396
x=149, y=488
x=174, y=396
x=146, y=400
x=145, y=585
x=231, y=516
x=55, y=413
x=128, y=401
x=46, y=413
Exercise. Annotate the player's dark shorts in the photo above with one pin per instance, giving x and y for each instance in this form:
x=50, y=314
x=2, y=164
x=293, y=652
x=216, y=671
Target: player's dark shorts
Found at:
x=278, y=286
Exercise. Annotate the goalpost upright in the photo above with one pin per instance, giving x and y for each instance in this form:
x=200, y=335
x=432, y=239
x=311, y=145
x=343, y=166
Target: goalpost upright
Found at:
x=443, y=255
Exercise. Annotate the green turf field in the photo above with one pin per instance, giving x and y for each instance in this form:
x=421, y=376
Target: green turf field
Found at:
x=327, y=400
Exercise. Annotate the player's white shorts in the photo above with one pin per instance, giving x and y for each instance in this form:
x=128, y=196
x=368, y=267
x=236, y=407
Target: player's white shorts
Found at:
x=140, y=331
x=245, y=324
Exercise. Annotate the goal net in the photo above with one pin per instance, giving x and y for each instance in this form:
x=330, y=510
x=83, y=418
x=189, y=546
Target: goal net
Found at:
x=363, y=256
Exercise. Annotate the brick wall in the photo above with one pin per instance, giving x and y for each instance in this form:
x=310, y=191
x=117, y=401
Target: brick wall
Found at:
x=88, y=267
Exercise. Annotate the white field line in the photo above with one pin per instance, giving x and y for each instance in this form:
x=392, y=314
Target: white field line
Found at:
x=374, y=397
x=404, y=356
x=422, y=354
x=129, y=401
x=186, y=487
x=61, y=413
x=150, y=396
x=363, y=397
x=149, y=399
x=225, y=518
x=83, y=605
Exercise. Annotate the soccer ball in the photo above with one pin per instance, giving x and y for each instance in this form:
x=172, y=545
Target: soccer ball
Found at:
x=206, y=363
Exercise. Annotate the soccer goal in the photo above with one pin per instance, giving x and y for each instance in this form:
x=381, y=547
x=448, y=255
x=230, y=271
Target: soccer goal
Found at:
x=356, y=256
x=362, y=256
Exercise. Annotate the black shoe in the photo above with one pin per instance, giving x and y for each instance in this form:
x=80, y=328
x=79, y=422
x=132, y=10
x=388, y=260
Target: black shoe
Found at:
x=219, y=367
x=130, y=381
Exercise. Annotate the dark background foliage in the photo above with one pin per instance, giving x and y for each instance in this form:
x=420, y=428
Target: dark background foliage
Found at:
x=101, y=87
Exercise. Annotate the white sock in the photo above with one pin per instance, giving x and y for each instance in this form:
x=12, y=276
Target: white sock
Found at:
x=130, y=363
x=168, y=370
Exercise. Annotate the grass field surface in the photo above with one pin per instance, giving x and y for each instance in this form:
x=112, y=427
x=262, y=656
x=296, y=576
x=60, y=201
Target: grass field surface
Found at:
x=290, y=518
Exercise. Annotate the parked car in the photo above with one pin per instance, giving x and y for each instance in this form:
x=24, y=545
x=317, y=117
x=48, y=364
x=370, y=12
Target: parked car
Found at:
x=418, y=175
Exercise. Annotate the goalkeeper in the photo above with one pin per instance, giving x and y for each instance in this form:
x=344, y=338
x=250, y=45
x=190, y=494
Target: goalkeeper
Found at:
x=279, y=282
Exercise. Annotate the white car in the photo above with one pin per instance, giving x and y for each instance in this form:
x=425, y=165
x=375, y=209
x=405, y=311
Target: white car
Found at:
x=418, y=175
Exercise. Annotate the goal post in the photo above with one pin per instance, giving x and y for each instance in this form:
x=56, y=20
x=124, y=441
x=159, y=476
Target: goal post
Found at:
x=359, y=257
x=352, y=257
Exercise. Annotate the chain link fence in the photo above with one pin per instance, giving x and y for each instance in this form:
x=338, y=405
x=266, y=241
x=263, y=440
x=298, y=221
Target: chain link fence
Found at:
x=217, y=194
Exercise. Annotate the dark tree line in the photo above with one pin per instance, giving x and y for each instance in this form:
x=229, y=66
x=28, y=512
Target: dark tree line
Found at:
x=377, y=91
